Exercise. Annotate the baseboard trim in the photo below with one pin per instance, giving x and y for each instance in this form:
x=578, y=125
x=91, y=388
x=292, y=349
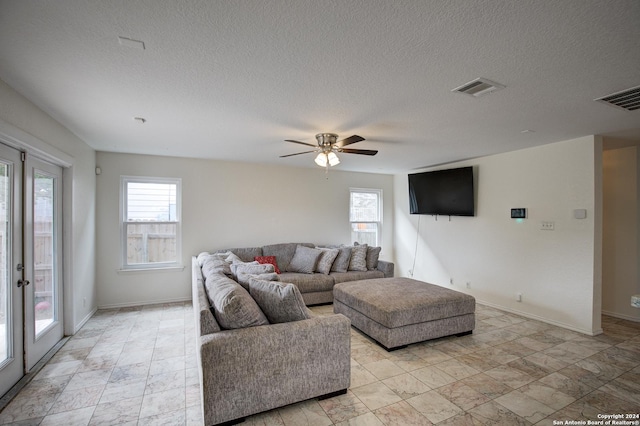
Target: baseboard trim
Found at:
x=541, y=319
x=621, y=316
x=143, y=303
x=81, y=324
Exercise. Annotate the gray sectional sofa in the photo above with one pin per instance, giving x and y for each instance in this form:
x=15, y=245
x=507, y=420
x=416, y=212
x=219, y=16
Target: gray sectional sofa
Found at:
x=316, y=288
x=254, y=369
x=251, y=358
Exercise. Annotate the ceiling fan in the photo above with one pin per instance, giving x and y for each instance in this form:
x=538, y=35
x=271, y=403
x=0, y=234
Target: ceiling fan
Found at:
x=329, y=145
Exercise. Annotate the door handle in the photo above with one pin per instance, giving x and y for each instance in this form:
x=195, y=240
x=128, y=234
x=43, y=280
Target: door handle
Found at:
x=23, y=283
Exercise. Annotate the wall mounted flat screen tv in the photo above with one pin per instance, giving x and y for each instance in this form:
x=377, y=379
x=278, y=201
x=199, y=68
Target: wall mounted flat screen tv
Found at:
x=442, y=192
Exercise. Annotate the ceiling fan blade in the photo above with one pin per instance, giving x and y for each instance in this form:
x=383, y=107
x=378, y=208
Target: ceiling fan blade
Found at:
x=349, y=140
x=297, y=153
x=301, y=143
x=359, y=151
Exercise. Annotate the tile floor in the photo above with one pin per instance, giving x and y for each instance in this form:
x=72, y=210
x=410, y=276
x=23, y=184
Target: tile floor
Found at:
x=136, y=366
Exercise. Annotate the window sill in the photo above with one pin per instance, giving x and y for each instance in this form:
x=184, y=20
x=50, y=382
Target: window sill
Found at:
x=160, y=269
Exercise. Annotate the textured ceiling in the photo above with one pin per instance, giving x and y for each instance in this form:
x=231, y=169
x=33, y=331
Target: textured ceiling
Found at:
x=232, y=79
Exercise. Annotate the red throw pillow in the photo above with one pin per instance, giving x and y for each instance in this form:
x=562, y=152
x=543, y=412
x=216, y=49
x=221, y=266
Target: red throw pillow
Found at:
x=268, y=259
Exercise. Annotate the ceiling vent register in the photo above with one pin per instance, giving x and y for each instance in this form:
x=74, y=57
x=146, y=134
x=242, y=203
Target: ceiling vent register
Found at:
x=628, y=100
x=479, y=87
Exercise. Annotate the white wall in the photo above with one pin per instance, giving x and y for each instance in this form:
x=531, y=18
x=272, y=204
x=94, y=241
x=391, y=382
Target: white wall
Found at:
x=621, y=230
x=25, y=126
x=224, y=205
x=557, y=272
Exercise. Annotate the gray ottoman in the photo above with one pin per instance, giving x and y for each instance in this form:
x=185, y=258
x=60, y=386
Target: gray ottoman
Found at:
x=399, y=311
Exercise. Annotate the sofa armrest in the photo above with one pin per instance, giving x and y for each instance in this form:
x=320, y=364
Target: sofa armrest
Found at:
x=386, y=267
x=255, y=369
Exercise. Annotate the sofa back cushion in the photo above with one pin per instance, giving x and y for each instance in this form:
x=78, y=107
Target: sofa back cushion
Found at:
x=205, y=321
x=325, y=262
x=245, y=271
x=213, y=264
x=280, y=302
x=283, y=252
x=232, y=305
x=304, y=260
x=247, y=254
x=341, y=264
x=358, y=261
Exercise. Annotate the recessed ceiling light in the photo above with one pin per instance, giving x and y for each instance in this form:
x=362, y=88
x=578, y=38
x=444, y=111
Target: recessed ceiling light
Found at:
x=140, y=120
x=129, y=42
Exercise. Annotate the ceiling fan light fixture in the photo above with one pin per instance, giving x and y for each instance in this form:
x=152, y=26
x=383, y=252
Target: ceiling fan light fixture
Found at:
x=333, y=159
x=322, y=160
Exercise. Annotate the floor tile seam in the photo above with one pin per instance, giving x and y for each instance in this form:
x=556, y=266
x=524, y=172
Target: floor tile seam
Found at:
x=520, y=417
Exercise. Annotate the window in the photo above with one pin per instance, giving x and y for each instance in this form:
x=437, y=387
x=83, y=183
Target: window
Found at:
x=151, y=222
x=365, y=215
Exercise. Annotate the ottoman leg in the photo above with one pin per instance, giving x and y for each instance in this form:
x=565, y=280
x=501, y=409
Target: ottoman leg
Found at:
x=466, y=333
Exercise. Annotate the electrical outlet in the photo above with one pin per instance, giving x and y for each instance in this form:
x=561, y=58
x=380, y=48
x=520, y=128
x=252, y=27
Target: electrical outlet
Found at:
x=468, y=284
x=519, y=297
x=451, y=281
x=547, y=226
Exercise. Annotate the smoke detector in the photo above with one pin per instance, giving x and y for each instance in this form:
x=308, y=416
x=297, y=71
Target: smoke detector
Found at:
x=628, y=100
x=479, y=87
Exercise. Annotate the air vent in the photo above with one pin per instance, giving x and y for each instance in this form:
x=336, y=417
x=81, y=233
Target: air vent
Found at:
x=628, y=100
x=478, y=87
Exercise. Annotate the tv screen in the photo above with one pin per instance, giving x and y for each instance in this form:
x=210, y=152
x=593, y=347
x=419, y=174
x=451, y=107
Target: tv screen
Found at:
x=442, y=192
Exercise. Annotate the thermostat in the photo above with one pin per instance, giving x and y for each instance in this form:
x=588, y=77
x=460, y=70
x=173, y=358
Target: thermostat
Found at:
x=520, y=213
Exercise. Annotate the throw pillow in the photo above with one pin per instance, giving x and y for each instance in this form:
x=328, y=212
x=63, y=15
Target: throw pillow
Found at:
x=232, y=258
x=358, y=260
x=234, y=267
x=201, y=257
x=341, y=264
x=246, y=270
x=280, y=302
x=373, y=254
x=326, y=260
x=214, y=264
x=304, y=260
x=268, y=259
x=233, y=307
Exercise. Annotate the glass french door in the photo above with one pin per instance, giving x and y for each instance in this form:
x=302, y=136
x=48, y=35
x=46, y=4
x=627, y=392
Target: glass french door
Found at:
x=11, y=296
x=42, y=258
x=30, y=262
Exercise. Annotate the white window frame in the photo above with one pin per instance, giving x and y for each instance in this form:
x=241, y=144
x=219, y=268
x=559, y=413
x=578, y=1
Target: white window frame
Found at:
x=177, y=263
x=378, y=223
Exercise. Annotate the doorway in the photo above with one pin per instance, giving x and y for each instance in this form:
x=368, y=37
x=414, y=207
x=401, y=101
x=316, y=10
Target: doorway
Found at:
x=31, y=317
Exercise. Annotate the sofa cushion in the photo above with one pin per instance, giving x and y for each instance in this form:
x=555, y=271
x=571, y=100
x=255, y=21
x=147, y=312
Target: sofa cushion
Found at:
x=269, y=260
x=213, y=264
x=358, y=260
x=373, y=254
x=308, y=283
x=232, y=305
x=247, y=254
x=283, y=252
x=341, y=264
x=280, y=302
x=341, y=277
x=326, y=260
x=304, y=260
x=232, y=258
x=234, y=267
x=245, y=271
